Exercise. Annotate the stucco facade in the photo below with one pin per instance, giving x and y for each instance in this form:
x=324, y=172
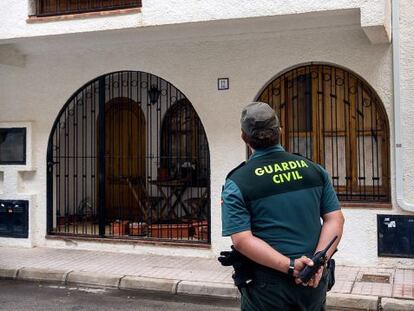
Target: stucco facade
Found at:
x=191, y=45
x=374, y=15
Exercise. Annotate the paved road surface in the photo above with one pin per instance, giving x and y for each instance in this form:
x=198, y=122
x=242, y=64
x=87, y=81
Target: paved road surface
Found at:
x=25, y=296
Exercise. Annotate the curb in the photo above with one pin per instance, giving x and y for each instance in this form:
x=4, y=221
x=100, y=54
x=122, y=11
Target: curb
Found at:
x=8, y=274
x=393, y=304
x=48, y=275
x=222, y=290
x=91, y=278
x=349, y=301
x=192, y=288
x=130, y=282
x=123, y=282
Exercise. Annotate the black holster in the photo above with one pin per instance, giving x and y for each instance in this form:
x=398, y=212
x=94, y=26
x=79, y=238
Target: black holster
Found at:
x=243, y=266
x=330, y=267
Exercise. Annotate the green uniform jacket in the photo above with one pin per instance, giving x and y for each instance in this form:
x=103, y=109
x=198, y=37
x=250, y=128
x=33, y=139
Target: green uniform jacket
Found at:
x=280, y=197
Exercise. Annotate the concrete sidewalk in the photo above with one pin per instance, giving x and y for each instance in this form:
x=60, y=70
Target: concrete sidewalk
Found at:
x=357, y=288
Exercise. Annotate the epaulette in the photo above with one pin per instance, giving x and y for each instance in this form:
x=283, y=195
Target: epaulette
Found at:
x=298, y=154
x=235, y=169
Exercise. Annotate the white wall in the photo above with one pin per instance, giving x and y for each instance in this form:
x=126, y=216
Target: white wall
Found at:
x=13, y=15
x=407, y=94
x=57, y=67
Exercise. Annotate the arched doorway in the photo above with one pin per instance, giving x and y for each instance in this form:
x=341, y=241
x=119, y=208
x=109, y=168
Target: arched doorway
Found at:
x=335, y=118
x=108, y=172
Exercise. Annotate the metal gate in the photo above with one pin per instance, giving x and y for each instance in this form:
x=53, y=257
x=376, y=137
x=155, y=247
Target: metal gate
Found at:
x=128, y=157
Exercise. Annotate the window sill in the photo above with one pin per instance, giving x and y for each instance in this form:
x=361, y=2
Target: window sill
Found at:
x=55, y=18
x=373, y=205
x=183, y=244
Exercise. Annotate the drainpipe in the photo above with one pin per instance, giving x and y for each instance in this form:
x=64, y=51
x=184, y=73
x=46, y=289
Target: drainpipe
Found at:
x=399, y=181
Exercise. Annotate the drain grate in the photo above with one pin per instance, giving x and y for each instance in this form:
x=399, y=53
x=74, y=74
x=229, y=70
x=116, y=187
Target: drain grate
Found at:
x=375, y=278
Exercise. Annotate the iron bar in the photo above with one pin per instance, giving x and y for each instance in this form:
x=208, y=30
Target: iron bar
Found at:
x=102, y=157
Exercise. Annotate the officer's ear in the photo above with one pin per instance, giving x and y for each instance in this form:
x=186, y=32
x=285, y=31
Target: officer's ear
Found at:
x=243, y=137
x=246, y=141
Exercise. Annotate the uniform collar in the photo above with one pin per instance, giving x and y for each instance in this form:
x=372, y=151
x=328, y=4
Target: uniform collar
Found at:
x=262, y=152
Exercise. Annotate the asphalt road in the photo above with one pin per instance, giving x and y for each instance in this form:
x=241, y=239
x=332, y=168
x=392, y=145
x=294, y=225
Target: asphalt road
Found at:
x=16, y=296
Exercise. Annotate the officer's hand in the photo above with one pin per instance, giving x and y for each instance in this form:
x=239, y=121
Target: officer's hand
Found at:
x=314, y=281
x=300, y=263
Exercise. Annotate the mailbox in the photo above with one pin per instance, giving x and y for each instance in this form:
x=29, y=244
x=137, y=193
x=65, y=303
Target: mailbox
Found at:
x=14, y=220
x=395, y=235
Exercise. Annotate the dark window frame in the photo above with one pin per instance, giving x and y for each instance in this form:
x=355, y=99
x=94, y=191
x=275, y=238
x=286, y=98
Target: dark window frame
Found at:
x=44, y=8
x=16, y=129
x=189, y=136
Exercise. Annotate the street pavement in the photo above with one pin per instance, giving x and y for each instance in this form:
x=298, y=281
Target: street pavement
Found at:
x=364, y=288
x=28, y=296
x=36, y=296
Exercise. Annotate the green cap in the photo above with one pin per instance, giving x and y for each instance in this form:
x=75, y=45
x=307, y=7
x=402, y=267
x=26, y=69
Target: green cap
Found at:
x=259, y=120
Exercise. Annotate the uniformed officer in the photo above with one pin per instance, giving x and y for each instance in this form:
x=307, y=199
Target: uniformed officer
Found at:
x=272, y=209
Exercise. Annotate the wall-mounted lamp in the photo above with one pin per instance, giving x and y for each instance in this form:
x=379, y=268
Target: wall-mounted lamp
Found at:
x=154, y=94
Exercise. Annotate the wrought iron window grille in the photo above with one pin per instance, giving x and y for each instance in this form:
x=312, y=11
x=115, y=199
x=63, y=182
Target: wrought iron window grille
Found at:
x=62, y=7
x=333, y=117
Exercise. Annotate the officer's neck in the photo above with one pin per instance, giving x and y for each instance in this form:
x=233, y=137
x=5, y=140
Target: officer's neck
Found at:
x=262, y=149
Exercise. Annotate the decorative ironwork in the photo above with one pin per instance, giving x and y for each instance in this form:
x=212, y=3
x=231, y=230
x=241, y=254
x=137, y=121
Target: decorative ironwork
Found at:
x=129, y=164
x=332, y=116
x=61, y=7
x=154, y=94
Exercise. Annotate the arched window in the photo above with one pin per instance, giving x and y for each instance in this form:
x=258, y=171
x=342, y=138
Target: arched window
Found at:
x=333, y=117
x=183, y=144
